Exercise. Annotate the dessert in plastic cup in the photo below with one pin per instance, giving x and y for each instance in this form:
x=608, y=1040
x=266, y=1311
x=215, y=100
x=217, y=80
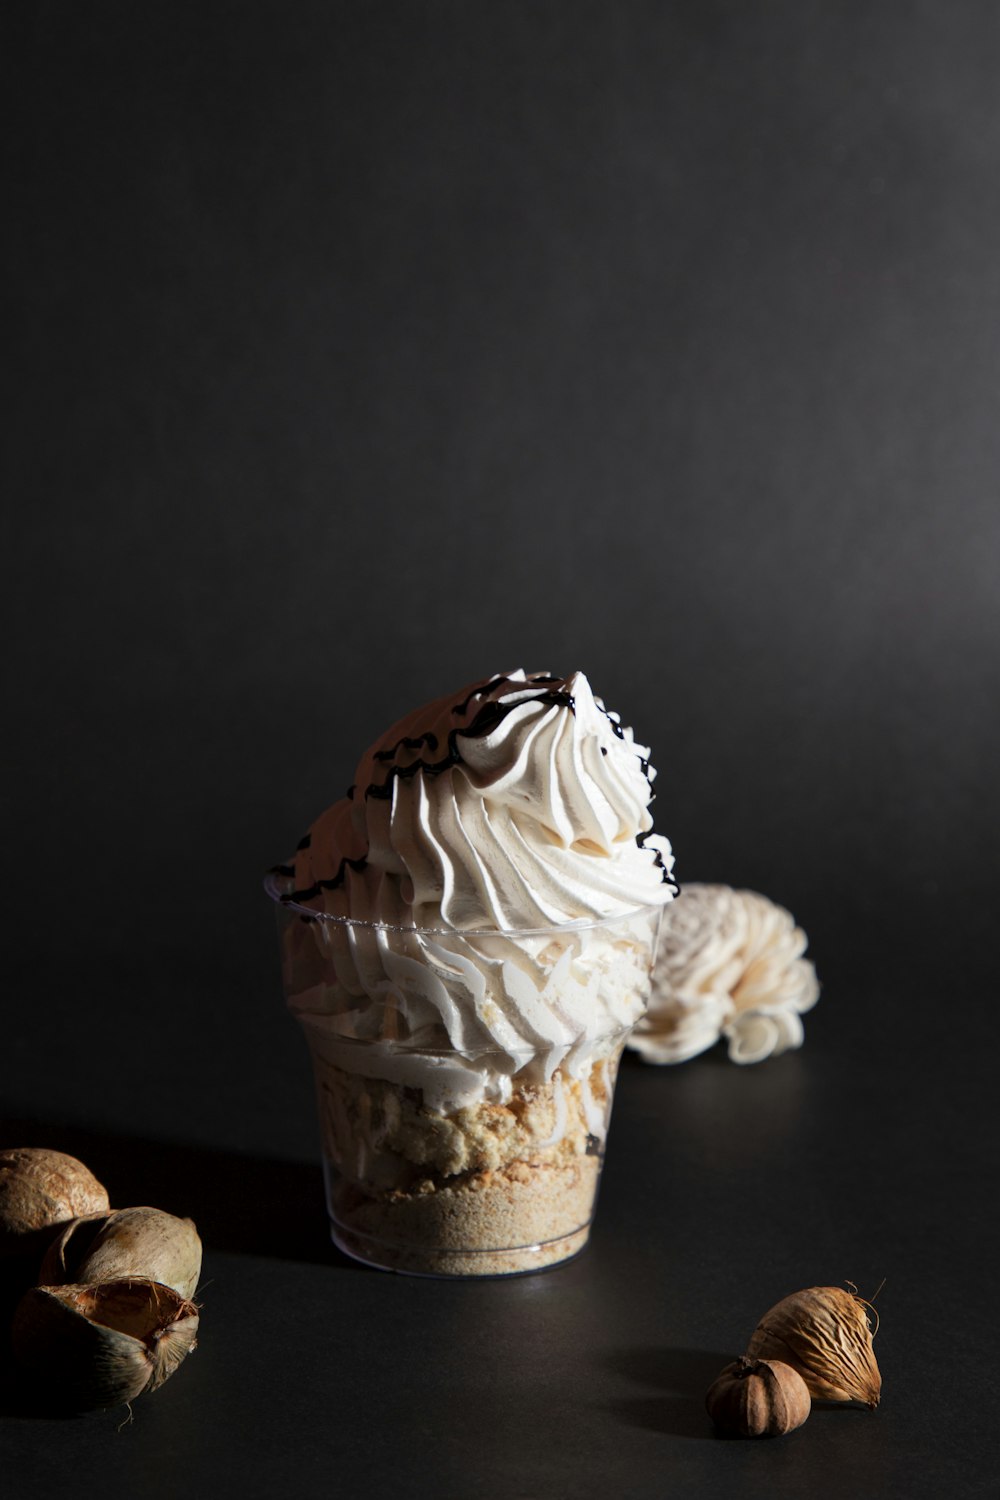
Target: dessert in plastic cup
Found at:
x=467, y=939
x=475, y=1162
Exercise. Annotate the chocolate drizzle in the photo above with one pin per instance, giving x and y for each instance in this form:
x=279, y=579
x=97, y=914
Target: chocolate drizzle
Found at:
x=409, y=742
x=287, y=871
x=665, y=876
x=322, y=885
x=487, y=718
x=619, y=731
x=499, y=680
x=483, y=723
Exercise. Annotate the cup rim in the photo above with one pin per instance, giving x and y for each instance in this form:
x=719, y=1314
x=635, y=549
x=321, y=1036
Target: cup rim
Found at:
x=315, y=1021
x=273, y=881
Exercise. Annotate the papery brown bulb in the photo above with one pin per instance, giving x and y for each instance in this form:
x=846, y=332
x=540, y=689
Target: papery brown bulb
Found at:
x=87, y=1347
x=758, y=1398
x=142, y=1242
x=40, y=1189
x=824, y=1334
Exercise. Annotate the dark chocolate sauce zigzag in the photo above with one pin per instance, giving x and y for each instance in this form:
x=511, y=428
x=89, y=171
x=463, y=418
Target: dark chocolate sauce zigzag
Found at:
x=484, y=722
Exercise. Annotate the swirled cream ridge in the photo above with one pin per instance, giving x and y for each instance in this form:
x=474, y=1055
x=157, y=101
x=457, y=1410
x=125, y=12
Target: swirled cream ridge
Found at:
x=520, y=803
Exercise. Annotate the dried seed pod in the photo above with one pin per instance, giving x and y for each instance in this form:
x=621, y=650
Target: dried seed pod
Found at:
x=758, y=1398
x=88, y=1347
x=40, y=1189
x=142, y=1242
x=824, y=1333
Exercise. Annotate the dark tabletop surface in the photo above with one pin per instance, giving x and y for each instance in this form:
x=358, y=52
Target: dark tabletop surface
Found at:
x=358, y=351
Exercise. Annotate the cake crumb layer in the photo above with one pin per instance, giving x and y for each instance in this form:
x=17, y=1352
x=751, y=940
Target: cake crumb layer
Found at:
x=526, y=1217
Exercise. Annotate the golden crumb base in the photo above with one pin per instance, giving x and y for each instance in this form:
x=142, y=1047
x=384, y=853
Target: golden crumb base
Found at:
x=523, y=1218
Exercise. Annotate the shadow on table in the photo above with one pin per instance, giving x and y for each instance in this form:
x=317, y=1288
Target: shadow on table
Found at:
x=678, y=1379
x=240, y=1204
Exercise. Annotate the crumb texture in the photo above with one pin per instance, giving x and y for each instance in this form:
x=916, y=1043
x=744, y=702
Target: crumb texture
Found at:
x=486, y=1224
x=488, y=1190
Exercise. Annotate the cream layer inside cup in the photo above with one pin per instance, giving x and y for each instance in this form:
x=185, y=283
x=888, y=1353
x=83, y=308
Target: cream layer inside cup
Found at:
x=469, y=1019
x=519, y=804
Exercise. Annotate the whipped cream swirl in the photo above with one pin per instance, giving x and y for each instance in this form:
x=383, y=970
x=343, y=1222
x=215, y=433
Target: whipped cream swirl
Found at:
x=519, y=804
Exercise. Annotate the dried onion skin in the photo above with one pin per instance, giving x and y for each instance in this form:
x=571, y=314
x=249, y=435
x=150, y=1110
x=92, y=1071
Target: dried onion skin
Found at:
x=823, y=1332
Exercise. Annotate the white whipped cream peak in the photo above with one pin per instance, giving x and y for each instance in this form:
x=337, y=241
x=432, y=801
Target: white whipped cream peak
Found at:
x=477, y=825
x=518, y=802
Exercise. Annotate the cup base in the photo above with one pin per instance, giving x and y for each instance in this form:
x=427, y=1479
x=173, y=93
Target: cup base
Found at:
x=421, y=1260
x=492, y=1224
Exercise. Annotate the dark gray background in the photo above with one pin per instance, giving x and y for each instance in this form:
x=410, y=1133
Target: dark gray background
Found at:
x=356, y=351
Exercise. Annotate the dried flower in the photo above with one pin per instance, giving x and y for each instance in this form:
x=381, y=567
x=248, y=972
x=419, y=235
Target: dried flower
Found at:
x=729, y=964
x=824, y=1334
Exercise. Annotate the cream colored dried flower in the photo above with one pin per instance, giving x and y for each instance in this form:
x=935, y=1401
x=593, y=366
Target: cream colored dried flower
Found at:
x=729, y=964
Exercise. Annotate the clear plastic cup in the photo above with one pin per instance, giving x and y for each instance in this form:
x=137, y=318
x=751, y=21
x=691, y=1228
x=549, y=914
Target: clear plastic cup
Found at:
x=464, y=1080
